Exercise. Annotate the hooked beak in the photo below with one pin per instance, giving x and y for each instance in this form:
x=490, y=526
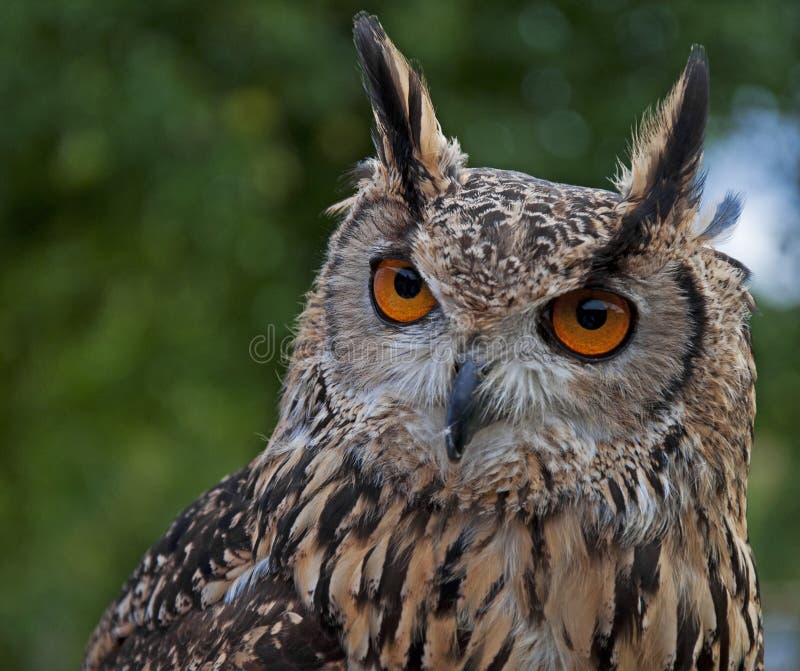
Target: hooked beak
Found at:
x=461, y=410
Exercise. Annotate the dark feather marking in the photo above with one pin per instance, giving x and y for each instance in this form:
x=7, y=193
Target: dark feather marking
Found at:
x=672, y=440
x=740, y=580
x=626, y=609
x=538, y=541
x=500, y=504
x=491, y=595
x=547, y=476
x=751, y=633
x=696, y=321
x=391, y=587
x=745, y=602
x=322, y=601
x=417, y=650
x=628, y=588
x=535, y=604
x=318, y=427
x=463, y=637
x=719, y=596
x=688, y=631
x=415, y=108
x=448, y=593
x=363, y=590
x=295, y=480
x=474, y=660
x=284, y=545
x=705, y=660
x=616, y=495
x=645, y=569
x=631, y=482
x=448, y=579
x=602, y=652
x=370, y=488
x=366, y=523
x=655, y=482
x=502, y=655
x=591, y=538
x=696, y=328
x=418, y=518
x=335, y=510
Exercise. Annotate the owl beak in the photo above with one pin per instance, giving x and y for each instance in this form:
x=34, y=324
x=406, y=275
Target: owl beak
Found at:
x=461, y=411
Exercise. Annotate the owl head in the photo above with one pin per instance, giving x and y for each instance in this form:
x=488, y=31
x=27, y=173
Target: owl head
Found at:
x=473, y=318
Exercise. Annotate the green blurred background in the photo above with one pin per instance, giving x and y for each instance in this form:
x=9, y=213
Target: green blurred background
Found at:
x=163, y=167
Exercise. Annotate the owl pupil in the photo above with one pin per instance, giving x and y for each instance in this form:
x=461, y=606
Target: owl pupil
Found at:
x=407, y=283
x=591, y=314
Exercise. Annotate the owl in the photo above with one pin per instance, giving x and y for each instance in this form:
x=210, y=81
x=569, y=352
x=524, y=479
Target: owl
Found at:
x=515, y=431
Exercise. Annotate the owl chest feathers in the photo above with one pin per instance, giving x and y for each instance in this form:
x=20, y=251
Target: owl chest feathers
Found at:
x=415, y=576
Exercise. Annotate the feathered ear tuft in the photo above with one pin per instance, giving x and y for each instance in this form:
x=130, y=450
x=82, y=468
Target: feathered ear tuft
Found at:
x=408, y=138
x=664, y=183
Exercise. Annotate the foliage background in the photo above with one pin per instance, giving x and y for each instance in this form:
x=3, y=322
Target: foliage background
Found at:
x=163, y=167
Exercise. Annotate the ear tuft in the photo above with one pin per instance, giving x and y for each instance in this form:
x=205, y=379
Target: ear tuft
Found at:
x=668, y=148
x=661, y=190
x=408, y=138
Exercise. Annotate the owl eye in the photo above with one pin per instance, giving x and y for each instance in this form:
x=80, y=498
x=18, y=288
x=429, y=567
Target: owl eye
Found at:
x=591, y=322
x=399, y=293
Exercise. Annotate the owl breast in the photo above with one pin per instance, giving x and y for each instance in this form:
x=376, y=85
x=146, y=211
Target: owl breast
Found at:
x=414, y=579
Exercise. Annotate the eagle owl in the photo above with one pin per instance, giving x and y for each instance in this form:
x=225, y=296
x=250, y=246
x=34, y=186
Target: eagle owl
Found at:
x=514, y=434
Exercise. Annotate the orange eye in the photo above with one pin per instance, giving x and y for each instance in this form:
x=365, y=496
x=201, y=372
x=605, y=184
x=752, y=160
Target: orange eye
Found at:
x=399, y=293
x=591, y=322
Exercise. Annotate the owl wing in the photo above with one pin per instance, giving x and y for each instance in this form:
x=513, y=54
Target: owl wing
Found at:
x=171, y=614
x=266, y=629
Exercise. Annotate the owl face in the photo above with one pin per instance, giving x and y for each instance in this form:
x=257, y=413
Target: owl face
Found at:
x=492, y=310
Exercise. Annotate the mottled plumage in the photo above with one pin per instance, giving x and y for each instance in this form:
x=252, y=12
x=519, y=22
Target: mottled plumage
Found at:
x=570, y=513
